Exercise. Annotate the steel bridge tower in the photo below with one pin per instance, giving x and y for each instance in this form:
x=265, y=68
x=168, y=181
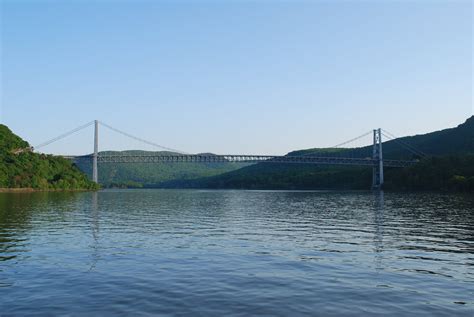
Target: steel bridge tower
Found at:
x=377, y=158
x=377, y=172
x=95, y=174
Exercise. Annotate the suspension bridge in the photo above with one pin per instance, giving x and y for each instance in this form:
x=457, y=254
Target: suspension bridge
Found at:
x=374, y=160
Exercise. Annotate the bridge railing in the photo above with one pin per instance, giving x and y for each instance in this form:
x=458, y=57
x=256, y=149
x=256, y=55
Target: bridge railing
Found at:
x=237, y=158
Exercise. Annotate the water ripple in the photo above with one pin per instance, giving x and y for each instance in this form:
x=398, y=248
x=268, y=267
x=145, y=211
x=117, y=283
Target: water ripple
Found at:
x=214, y=253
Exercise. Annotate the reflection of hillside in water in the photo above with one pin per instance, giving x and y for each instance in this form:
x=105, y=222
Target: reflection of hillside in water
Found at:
x=440, y=217
x=117, y=244
x=19, y=213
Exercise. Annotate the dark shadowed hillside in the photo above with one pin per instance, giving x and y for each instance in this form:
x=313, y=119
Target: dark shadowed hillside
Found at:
x=447, y=166
x=453, y=142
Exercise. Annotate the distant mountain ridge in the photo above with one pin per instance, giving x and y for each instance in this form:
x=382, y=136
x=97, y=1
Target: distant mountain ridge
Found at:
x=152, y=175
x=458, y=141
x=452, y=141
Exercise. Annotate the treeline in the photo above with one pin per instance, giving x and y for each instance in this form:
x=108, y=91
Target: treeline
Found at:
x=283, y=176
x=20, y=168
x=136, y=175
x=266, y=176
x=449, y=166
x=453, y=141
x=450, y=173
x=453, y=173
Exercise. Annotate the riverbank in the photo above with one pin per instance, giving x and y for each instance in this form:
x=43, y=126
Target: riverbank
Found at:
x=32, y=190
x=24, y=171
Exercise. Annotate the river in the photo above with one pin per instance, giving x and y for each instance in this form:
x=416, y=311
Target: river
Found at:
x=239, y=253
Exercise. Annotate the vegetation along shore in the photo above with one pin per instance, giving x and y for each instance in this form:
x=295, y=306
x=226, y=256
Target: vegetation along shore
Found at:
x=23, y=170
x=448, y=165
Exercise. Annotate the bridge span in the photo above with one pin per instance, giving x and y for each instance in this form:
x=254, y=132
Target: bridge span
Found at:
x=376, y=160
x=238, y=158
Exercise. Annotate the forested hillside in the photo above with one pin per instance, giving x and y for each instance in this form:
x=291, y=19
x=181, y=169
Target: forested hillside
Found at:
x=453, y=173
x=20, y=168
x=448, y=166
x=153, y=175
x=284, y=176
x=453, y=141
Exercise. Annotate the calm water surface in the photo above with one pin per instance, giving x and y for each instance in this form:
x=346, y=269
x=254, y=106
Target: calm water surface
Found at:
x=219, y=253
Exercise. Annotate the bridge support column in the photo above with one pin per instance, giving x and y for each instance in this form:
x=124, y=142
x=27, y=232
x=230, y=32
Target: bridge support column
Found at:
x=377, y=173
x=95, y=175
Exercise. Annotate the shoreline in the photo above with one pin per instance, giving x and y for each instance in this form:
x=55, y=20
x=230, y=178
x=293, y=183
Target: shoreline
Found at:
x=35, y=190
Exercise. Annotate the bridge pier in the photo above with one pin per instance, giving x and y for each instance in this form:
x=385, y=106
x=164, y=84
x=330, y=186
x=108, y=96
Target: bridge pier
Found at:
x=95, y=175
x=377, y=172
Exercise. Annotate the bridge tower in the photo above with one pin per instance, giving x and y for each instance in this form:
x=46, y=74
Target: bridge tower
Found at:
x=95, y=175
x=377, y=173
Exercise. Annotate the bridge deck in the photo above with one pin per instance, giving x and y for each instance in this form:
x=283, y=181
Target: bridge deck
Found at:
x=203, y=158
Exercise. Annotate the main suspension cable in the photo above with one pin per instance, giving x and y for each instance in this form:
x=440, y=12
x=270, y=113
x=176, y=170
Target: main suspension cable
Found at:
x=351, y=140
x=140, y=139
x=404, y=144
x=62, y=136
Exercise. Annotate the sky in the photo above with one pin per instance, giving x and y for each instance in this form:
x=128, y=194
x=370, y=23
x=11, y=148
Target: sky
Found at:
x=233, y=77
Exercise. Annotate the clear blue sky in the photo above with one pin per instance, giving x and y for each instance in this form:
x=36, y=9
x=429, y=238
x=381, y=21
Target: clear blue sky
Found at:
x=234, y=76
